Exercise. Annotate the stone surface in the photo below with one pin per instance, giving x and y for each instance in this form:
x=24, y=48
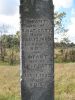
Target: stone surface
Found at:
x=37, y=49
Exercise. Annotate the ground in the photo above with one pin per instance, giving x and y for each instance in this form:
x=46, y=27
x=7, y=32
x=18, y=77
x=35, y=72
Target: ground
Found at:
x=64, y=82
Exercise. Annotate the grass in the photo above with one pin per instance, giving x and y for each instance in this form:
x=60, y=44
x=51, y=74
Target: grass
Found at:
x=9, y=83
x=64, y=82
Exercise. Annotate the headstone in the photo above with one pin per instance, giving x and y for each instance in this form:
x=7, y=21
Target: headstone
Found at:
x=37, y=49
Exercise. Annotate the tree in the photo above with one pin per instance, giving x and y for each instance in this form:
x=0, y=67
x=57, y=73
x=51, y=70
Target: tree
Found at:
x=59, y=25
x=17, y=40
x=3, y=29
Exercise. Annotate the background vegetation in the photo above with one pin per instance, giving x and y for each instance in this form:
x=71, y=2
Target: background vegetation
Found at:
x=10, y=44
x=64, y=64
x=9, y=50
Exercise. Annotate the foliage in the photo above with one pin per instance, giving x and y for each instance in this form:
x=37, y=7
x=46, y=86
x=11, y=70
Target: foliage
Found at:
x=59, y=30
x=9, y=48
x=10, y=40
x=58, y=22
x=10, y=44
x=65, y=55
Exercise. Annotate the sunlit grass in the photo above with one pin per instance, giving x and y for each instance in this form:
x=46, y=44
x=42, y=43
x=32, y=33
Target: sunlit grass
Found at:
x=64, y=82
x=9, y=83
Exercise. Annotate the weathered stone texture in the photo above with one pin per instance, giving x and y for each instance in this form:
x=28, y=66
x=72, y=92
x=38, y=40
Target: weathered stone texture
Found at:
x=37, y=49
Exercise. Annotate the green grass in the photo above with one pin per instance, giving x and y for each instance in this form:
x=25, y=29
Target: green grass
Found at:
x=64, y=82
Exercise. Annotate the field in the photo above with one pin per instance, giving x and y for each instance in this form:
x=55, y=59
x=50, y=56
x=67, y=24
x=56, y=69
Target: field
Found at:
x=64, y=82
x=9, y=83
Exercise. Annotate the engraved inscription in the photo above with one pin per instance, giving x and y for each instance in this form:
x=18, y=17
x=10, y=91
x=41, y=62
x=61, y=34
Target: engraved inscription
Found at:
x=37, y=46
x=37, y=40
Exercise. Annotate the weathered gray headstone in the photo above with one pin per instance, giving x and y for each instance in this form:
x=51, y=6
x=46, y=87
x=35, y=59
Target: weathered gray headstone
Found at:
x=37, y=49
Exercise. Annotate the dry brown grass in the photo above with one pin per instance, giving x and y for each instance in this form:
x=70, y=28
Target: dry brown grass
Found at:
x=64, y=82
x=9, y=83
